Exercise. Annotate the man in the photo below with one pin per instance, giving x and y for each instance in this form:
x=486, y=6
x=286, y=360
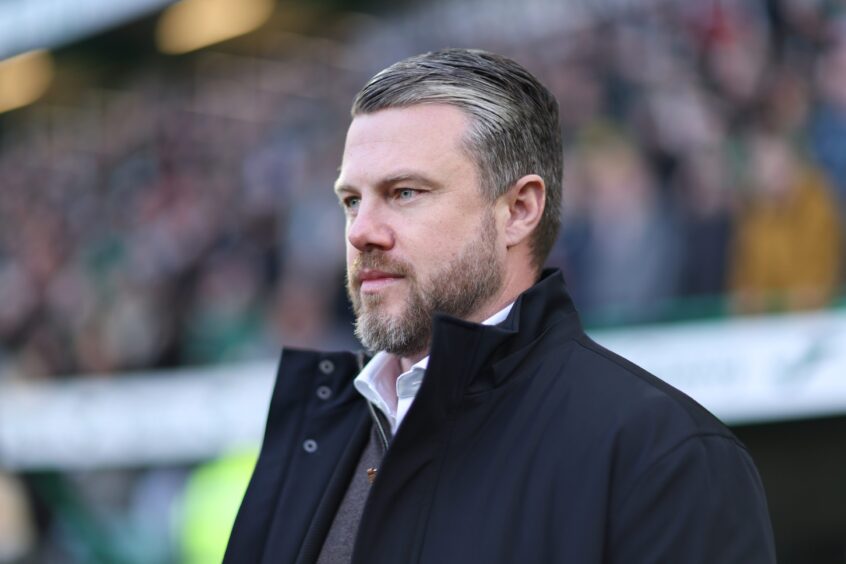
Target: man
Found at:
x=487, y=427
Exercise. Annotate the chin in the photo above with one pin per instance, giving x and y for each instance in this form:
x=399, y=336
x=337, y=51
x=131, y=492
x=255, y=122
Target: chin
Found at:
x=382, y=309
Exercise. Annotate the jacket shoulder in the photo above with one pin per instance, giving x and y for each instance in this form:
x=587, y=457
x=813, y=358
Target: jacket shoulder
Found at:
x=672, y=466
x=637, y=396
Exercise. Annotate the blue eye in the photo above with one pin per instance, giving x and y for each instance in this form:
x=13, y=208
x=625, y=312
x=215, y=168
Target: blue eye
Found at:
x=351, y=203
x=405, y=193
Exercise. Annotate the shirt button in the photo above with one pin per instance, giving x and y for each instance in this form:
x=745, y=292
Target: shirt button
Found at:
x=326, y=366
x=310, y=446
x=324, y=392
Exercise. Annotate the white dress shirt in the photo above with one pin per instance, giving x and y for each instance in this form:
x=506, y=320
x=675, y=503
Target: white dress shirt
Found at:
x=394, y=396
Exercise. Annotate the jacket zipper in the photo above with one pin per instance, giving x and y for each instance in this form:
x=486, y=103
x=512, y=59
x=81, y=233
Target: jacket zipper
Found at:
x=359, y=357
x=379, y=427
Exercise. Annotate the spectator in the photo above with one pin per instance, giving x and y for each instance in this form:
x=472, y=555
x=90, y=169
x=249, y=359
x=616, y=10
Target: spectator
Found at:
x=828, y=128
x=786, y=253
x=630, y=259
x=704, y=206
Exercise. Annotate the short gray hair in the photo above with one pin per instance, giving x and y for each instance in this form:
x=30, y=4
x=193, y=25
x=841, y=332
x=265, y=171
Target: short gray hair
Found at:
x=514, y=120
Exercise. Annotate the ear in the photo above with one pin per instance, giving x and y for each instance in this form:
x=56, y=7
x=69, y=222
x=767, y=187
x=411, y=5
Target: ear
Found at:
x=522, y=207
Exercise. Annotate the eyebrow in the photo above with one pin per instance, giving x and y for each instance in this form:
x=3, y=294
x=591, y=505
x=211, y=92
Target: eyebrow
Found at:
x=397, y=178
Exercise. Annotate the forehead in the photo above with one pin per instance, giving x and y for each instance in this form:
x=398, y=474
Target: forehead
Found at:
x=428, y=138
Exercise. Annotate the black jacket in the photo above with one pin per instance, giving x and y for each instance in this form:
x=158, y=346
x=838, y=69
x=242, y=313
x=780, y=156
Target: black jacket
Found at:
x=527, y=443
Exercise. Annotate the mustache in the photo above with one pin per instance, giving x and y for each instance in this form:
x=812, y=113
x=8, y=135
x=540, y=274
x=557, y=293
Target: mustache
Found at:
x=377, y=261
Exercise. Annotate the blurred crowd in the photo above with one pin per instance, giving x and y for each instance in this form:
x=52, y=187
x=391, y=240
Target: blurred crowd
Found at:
x=183, y=212
x=706, y=159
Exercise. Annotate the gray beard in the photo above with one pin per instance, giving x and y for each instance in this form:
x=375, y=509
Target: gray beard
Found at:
x=458, y=289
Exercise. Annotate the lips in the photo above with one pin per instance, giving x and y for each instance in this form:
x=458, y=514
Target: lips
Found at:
x=372, y=280
x=369, y=274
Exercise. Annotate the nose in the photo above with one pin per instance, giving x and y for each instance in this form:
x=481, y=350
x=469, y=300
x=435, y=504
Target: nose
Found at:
x=369, y=228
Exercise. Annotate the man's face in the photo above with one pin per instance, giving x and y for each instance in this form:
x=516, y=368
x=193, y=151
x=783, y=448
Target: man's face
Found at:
x=420, y=236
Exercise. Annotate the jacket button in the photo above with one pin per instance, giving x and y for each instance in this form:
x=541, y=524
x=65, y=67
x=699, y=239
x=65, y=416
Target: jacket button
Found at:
x=310, y=446
x=326, y=366
x=324, y=392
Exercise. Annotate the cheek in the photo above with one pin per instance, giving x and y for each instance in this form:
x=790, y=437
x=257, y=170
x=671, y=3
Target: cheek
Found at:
x=352, y=255
x=446, y=237
x=436, y=251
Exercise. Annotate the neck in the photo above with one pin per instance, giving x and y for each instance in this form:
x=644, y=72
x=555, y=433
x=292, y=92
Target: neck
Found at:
x=406, y=362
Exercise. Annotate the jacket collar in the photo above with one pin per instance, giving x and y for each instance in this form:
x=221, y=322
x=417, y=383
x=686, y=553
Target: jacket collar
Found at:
x=541, y=307
x=469, y=358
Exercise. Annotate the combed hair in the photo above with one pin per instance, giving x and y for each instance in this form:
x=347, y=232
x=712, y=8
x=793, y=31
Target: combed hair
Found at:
x=514, y=127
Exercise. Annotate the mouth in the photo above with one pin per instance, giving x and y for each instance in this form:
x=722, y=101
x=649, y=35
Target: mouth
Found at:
x=374, y=280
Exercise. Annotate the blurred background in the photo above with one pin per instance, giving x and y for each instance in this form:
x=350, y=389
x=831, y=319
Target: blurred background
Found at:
x=167, y=223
